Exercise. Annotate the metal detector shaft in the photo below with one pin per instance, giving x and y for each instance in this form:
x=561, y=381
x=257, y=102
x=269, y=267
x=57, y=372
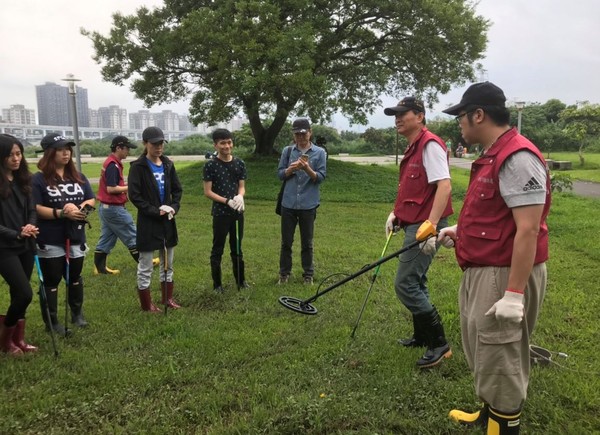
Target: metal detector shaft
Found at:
x=42, y=296
x=67, y=282
x=165, y=270
x=387, y=242
x=425, y=231
x=362, y=271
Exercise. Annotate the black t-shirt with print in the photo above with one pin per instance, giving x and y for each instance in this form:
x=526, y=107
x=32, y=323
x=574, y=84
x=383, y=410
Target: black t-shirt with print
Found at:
x=225, y=178
x=56, y=231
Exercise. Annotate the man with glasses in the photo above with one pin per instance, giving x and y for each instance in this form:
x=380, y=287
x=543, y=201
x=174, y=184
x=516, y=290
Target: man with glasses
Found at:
x=423, y=199
x=303, y=167
x=501, y=242
x=155, y=190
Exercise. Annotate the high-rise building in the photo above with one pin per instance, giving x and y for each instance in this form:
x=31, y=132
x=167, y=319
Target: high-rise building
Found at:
x=167, y=120
x=54, y=108
x=141, y=119
x=18, y=114
x=112, y=117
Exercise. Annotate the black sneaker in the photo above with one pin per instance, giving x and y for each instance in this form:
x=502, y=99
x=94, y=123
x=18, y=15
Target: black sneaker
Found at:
x=219, y=289
x=308, y=280
x=283, y=279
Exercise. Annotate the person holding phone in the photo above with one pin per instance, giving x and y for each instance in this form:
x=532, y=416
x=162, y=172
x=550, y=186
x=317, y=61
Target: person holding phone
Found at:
x=61, y=195
x=304, y=167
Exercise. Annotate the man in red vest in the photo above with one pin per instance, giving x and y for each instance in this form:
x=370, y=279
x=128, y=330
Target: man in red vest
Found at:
x=501, y=242
x=423, y=199
x=116, y=221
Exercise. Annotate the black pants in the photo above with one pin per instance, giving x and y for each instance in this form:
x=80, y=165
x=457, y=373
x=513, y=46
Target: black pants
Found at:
x=223, y=226
x=55, y=269
x=16, y=271
x=306, y=220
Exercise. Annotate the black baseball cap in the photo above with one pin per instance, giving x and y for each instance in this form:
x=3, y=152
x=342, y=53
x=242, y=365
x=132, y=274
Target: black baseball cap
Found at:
x=153, y=135
x=122, y=141
x=300, y=125
x=479, y=94
x=404, y=105
x=55, y=140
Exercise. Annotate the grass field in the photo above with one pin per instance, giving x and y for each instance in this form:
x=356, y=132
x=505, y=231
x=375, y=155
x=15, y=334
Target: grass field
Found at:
x=240, y=363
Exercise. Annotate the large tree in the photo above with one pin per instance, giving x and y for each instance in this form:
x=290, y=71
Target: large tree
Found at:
x=583, y=123
x=273, y=58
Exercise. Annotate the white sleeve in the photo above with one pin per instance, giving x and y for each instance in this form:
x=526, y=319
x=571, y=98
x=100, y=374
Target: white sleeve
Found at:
x=435, y=161
x=522, y=180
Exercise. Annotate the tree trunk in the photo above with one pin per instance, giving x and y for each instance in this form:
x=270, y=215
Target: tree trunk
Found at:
x=265, y=137
x=581, y=158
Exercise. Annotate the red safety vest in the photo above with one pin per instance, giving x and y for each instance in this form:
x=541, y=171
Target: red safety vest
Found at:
x=415, y=194
x=486, y=228
x=103, y=196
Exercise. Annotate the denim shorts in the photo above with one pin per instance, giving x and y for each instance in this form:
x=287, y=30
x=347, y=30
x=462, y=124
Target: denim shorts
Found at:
x=54, y=251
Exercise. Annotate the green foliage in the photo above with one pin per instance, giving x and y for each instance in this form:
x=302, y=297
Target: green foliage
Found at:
x=560, y=182
x=240, y=363
x=273, y=58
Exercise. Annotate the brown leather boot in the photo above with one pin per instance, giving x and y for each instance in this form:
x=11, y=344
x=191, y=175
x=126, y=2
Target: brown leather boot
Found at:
x=167, y=295
x=6, y=340
x=19, y=338
x=146, y=301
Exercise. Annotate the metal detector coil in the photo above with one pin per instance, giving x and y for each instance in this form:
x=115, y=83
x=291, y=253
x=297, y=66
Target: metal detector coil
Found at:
x=297, y=305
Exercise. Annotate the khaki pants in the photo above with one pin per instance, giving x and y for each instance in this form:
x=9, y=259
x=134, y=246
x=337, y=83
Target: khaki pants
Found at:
x=498, y=352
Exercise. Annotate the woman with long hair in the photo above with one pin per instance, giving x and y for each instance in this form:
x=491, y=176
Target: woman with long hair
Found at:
x=62, y=195
x=17, y=242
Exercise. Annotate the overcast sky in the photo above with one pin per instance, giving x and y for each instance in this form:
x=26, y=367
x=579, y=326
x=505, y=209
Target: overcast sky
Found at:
x=537, y=50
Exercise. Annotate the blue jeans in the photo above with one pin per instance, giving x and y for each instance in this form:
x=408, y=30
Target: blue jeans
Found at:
x=411, y=277
x=117, y=223
x=306, y=220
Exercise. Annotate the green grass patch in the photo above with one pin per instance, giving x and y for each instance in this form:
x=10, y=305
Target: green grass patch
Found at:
x=240, y=363
x=590, y=171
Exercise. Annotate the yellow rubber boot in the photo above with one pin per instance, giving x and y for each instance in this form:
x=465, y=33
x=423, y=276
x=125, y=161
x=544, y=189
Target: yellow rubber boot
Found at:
x=477, y=418
x=100, y=265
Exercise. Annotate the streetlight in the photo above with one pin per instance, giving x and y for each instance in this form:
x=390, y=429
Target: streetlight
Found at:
x=70, y=79
x=519, y=105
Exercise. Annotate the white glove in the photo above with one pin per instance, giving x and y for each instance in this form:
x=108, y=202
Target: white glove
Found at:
x=170, y=211
x=389, y=224
x=231, y=203
x=510, y=307
x=446, y=236
x=238, y=200
x=428, y=246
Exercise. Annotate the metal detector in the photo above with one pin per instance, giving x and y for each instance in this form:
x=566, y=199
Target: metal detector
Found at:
x=42, y=294
x=387, y=242
x=306, y=307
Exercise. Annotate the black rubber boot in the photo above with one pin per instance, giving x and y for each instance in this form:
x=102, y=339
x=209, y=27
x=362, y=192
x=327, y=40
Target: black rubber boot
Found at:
x=215, y=271
x=437, y=346
x=100, y=265
x=501, y=423
x=135, y=254
x=418, y=338
x=239, y=273
x=76, y=303
x=52, y=298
